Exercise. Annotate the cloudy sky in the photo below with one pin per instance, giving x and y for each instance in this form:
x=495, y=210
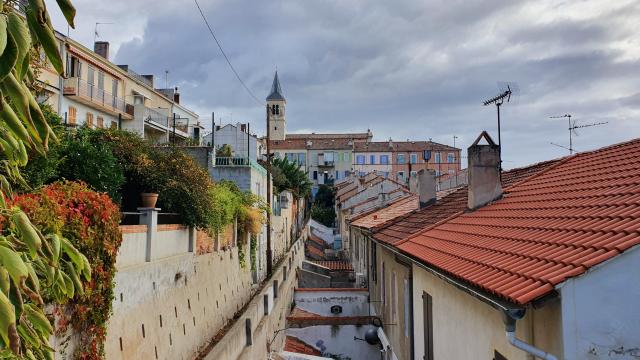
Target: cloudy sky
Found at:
x=411, y=69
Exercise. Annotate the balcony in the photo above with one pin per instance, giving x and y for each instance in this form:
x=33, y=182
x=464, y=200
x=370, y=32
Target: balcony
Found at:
x=94, y=97
x=160, y=122
x=232, y=161
x=326, y=163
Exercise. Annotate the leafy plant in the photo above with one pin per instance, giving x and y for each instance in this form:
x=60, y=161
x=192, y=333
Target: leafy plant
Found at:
x=287, y=175
x=88, y=221
x=91, y=162
x=224, y=151
x=324, y=215
x=31, y=260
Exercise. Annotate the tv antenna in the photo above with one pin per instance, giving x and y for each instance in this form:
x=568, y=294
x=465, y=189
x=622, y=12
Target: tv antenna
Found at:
x=95, y=30
x=506, y=90
x=573, y=126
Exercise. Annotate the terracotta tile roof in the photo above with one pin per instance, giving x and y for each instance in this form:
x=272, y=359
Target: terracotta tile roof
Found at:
x=336, y=265
x=295, y=345
x=355, y=136
x=318, y=241
x=313, y=144
x=449, y=203
x=303, y=318
x=552, y=226
x=400, y=146
x=314, y=252
x=386, y=214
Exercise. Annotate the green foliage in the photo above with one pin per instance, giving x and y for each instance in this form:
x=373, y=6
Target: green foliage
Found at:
x=33, y=260
x=325, y=196
x=324, y=215
x=287, y=175
x=224, y=151
x=92, y=162
x=253, y=252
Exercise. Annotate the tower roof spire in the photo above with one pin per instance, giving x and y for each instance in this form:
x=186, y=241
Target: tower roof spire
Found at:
x=276, y=91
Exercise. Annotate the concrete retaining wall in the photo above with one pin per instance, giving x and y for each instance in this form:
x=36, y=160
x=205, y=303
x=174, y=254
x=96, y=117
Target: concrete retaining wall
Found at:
x=255, y=333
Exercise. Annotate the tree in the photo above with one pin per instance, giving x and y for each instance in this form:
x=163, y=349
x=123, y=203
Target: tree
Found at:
x=287, y=175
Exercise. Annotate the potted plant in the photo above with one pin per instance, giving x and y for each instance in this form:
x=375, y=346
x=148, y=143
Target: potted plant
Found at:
x=145, y=170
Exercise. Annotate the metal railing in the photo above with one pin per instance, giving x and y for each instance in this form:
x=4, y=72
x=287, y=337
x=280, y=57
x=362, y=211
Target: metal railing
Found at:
x=232, y=161
x=75, y=86
x=155, y=116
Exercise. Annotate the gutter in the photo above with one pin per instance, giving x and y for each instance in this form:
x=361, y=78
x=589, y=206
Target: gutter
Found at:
x=510, y=319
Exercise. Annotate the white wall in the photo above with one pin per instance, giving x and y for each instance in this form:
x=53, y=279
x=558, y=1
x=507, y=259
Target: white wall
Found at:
x=600, y=311
x=354, y=303
x=338, y=340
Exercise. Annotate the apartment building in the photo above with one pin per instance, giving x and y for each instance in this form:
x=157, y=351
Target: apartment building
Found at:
x=401, y=160
x=100, y=94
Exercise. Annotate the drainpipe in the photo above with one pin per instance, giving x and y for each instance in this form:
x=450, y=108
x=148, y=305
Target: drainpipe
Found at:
x=510, y=317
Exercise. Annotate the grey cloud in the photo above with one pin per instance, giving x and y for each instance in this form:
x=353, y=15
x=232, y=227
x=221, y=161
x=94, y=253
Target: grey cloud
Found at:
x=411, y=69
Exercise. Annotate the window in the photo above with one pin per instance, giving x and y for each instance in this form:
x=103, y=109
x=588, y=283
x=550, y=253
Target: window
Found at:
x=71, y=116
x=302, y=159
x=407, y=318
x=384, y=159
x=114, y=87
x=346, y=173
x=114, y=125
x=73, y=66
x=401, y=159
x=138, y=99
x=438, y=159
x=374, y=263
x=100, y=80
x=382, y=289
x=290, y=157
x=315, y=175
x=328, y=157
x=360, y=159
x=437, y=173
x=394, y=298
x=414, y=158
x=372, y=159
x=337, y=175
x=347, y=157
x=451, y=158
x=413, y=174
x=100, y=122
x=400, y=175
x=90, y=120
x=90, y=75
x=426, y=155
x=427, y=323
x=277, y=109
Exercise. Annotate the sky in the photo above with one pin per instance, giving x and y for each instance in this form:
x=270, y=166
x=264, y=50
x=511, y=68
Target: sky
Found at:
x=411, y=69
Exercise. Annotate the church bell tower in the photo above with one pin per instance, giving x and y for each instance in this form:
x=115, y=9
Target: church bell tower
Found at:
x=277, y=104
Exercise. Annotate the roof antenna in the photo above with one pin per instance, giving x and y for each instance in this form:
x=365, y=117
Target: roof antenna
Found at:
x=506, y=90
x=572, y=130
x=95, y=30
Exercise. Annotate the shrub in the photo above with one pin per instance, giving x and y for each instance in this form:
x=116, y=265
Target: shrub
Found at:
x=91, y=162
x=90, y=221
x=324, y=215
x=181, y=185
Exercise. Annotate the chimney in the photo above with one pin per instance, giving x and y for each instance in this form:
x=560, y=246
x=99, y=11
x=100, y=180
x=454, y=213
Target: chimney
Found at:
x=101, y=48
x=426, y=181
x=484, y=172
x=149, y=78
x=413, y=185
x=176, y=96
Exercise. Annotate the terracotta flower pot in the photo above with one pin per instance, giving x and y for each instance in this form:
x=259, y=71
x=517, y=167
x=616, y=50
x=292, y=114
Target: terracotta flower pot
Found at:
x=149, y=200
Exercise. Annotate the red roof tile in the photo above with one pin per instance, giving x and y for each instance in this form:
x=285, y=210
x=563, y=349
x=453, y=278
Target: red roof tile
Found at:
x=295, y=345
x=452, y=203
x=318, y=241
x=382, y=216
x=553, y=225
x=314, y=252
x=336, y=265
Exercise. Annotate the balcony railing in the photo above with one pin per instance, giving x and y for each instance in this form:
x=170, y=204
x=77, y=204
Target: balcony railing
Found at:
x=89, y=92
x=150, y=115
x=232, y=161
x=326, y=163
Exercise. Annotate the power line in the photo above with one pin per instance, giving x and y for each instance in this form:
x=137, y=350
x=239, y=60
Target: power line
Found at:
x=225, y=55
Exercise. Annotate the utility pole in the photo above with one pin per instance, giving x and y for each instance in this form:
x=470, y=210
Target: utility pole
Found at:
x=269, y=252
